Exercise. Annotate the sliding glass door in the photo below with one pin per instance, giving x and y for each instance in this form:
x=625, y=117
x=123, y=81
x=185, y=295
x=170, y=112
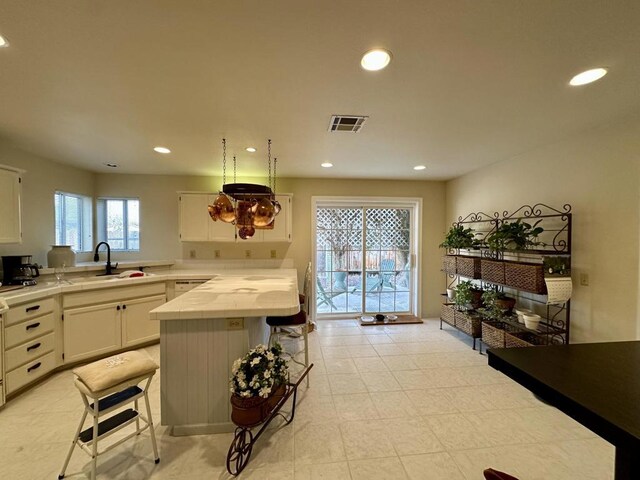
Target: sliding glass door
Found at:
x=364, y=256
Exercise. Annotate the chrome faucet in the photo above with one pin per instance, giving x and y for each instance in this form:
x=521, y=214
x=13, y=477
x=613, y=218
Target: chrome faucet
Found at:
x=96, y=258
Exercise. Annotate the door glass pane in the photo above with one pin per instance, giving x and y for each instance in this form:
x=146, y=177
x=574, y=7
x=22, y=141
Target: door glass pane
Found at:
x=356, y=278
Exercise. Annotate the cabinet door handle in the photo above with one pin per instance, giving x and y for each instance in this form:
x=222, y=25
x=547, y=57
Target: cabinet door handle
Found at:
x=34, y=346
x=33, y=367
x=33, y=309
x=118, y=307
x=124, y=307
x=33, y=325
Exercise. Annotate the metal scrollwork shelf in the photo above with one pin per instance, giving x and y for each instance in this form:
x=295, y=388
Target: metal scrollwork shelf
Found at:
x=554, y=241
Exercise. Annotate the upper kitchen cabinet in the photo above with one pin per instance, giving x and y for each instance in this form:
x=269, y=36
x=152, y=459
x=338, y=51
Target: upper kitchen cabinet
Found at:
x=197, y=226
x=10, y=222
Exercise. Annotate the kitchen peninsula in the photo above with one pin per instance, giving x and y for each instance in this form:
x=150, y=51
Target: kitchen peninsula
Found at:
x=203, y=331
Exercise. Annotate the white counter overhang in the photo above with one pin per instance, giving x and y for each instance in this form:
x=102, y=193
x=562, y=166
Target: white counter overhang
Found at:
x=236, y=293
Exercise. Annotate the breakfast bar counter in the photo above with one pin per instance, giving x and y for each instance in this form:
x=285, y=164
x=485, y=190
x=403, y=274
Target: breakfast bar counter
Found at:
x=203, y=331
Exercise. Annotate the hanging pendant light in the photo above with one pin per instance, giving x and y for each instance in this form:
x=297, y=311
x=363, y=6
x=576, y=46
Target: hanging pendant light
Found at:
x=246, y=205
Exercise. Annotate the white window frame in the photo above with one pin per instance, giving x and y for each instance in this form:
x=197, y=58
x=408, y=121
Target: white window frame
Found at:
x=412, y=203
x=102, y=221
x=85, y=221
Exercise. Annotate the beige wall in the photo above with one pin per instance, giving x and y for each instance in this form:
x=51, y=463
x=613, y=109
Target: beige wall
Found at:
x=39, y=183
x=598, y=174
x=159, y=214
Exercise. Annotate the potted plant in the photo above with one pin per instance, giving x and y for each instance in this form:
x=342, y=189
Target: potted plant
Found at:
x=460, y=237
x=497, y=303
x=467, y=295
x=516, y=235
x=258, y=382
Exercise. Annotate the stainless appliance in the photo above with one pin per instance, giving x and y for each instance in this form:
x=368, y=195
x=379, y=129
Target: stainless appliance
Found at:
x=19, y=270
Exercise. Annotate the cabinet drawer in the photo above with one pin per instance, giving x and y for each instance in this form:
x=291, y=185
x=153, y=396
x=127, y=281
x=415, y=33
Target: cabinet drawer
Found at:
x=29, y=310
x=25, y=331
x=27, y=373
x=29, y=351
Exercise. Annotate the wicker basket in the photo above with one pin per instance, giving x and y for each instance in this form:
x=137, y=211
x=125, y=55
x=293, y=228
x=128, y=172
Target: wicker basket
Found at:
x=522, y=339
x=447, y=314
x=469, y=323
x=525, y=276
x=492, y=271
x=494, y=332
x=468, y=266
x=449, y=264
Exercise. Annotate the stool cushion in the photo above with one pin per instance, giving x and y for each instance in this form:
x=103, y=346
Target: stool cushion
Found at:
x=116, y=369
x=299, y=318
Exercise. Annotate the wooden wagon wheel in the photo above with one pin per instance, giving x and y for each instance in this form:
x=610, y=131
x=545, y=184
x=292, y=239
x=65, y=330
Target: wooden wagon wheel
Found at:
x=239, y=451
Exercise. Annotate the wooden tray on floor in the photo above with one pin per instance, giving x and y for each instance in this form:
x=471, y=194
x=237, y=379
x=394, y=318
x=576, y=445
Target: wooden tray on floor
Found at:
x=401, y=320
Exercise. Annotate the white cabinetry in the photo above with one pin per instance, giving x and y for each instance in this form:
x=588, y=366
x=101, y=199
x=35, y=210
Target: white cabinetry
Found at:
x=197, y=226
x=136, y=325
x=29, y=342
x=10, y=226
x=100, y=322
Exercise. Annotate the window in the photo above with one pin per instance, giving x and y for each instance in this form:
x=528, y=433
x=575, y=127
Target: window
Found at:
x=119, y=223
x=73, y=221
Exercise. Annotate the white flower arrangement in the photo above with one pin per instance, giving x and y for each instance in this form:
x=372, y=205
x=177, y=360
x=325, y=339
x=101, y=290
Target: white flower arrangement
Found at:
x=258, y=371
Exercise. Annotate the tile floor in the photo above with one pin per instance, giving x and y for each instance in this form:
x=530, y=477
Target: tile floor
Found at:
x=396, y=402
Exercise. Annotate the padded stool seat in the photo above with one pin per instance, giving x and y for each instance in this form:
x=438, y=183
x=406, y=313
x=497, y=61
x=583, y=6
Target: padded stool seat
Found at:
x=112, y=383
x=299, y=318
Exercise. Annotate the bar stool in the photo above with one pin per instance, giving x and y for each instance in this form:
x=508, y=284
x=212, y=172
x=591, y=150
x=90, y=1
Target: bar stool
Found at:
x=112, y=383
x=294, y=325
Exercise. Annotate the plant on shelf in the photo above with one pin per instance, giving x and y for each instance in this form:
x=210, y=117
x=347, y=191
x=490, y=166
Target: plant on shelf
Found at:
x=557, y=265
x=460, y=237
x=497, y=304
x=467, y=296
x=516, y=235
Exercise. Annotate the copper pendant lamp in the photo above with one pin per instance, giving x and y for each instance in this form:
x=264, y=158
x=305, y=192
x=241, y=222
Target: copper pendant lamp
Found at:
x=248, y=206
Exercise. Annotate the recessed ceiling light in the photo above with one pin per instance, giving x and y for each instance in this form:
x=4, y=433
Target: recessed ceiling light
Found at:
x=588, y=77
x=250, y=149
x=419, y=167
x=3, y=42
x=161, y=149
x=375, y=59
x=326, y=165
x=111, y=165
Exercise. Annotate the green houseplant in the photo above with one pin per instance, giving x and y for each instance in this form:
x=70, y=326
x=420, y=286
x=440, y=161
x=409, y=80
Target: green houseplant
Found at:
x=516, y=235
x=467, y=295
x=460, y=237
x=497, y=304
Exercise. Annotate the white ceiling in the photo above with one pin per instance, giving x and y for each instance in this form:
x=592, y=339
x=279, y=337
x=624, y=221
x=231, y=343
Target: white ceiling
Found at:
x=471, y=82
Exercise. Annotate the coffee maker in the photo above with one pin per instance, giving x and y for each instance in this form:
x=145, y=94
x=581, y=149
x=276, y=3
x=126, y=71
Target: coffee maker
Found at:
x=19, y=270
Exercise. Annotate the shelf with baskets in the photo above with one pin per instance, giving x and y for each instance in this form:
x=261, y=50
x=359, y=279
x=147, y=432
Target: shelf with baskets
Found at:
x=491, y=259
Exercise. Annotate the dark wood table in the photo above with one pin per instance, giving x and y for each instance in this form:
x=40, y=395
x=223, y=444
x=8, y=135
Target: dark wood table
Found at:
x=596, y=384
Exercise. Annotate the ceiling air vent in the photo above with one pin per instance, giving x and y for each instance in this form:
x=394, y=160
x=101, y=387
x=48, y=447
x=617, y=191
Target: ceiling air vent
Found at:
x=346, y=123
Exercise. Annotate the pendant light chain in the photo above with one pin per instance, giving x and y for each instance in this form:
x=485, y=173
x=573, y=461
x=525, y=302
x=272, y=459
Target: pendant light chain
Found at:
x=275, y=166
x=224, y=161
x=269, y=155
x=234, y=169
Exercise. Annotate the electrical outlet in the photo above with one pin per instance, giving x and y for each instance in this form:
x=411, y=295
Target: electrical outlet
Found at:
x=235, y=323
x=273, y=254
x=216, y=253
x=192, y=254
x=584, y=279
x=247, y=254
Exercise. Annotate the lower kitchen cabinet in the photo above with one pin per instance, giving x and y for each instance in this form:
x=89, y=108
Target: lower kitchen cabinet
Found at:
x=91, y=331
x=120, y=320
x=136, y=325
